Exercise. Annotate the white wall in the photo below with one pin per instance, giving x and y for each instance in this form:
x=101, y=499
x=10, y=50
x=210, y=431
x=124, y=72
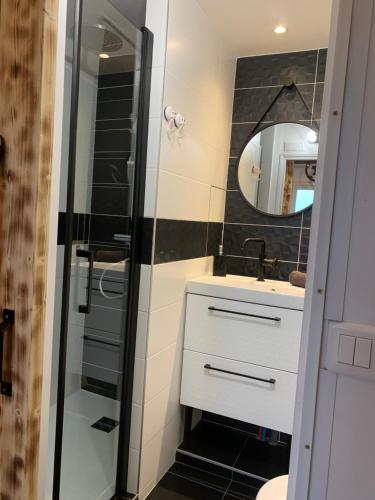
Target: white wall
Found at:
x=343, y=447
x=197, y=79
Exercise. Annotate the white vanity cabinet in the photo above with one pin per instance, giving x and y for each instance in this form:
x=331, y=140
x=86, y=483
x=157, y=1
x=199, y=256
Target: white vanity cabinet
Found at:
x=241, y=356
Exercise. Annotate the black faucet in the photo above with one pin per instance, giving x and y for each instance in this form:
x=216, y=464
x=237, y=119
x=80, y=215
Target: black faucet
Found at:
x=263, y=261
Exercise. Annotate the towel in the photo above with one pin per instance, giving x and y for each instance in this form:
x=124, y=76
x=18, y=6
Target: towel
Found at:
x=109, y=255
x=296, y=278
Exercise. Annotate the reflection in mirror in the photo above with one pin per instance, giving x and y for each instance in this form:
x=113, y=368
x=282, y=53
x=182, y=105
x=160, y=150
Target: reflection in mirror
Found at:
x=277, y=168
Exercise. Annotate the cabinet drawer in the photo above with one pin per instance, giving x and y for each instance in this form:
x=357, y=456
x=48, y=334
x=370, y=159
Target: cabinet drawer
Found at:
x=263, y=335
x=255, y=401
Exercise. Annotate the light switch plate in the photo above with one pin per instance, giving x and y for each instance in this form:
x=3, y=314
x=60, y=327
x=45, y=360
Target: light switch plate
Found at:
x=359, y=332
x=346, y=349
x=362, y=353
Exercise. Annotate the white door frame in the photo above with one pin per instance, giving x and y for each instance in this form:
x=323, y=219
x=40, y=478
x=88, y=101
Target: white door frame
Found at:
x=280, y=181
x=312, y=330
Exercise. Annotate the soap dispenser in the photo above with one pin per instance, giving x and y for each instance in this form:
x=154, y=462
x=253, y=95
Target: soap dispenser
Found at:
x=220, y=268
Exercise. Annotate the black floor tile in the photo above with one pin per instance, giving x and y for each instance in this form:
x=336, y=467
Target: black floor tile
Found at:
x=230, y=422
x=216, y=470
x=264, y=460
x=245, y=491
x=173, y=487
x=215, y=442
x=201, y=476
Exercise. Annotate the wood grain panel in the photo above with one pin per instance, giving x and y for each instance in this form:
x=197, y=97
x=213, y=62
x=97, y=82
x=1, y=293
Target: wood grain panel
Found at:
x=27, y=73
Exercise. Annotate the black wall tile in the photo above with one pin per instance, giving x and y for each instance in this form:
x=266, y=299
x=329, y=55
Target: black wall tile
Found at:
x=276, y=69
x=305, y=240
x=240, y=135
x=319, y=89
x=110, y=200
x=147, y=239
x=103, y=227
x=111, y=171
x=179, y=240
x=110, y=110
x=306, y=217
x=268, y=74
x=238, y=210
x=113, y=140
x=232, y=174
x=61, y=228
x=249, y=267
x=119, y=124
x=281, y=242
x=322, y=61
x=250, y=104
x=115, y=79
x=214, y=237
x=115, y=93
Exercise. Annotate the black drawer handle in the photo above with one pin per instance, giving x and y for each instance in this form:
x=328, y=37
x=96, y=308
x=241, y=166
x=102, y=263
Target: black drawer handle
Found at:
x=211, y=308
x=267, y=381
x=87, y=254
x=8, y=322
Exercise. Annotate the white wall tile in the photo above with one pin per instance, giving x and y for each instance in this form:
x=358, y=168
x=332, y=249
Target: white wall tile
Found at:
x=150, y=192
x=136, y=427
x=166, y=324
x=153, y=142
x=160, y=411
x=160, y=370
x=139, y=378
x=144, y=288
x=217, y=205
x=198, y=82
x=169, y=280
x=133, y=470
x=159, y=454
x=156, y=97
x=182, y=198
x=142, y=333
x=157, y=21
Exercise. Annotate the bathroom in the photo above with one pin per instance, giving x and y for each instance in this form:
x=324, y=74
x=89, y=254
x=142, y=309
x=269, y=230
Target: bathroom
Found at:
x=233, y=138
x=233, y=118
x=193, y=330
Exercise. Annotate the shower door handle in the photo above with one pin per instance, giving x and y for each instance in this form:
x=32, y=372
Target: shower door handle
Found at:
x=5, y=325
x=89, y=255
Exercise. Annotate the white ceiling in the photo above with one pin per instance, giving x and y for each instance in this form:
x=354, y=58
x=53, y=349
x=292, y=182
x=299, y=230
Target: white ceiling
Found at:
x=247, y=25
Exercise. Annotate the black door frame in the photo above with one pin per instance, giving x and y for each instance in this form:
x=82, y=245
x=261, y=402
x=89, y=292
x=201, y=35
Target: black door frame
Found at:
x=134, y=258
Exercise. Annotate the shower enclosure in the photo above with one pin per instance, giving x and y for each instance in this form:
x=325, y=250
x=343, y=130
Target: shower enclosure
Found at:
x=107, y=73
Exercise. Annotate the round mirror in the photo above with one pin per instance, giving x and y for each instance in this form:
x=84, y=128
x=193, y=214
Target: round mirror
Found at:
x=277, y=168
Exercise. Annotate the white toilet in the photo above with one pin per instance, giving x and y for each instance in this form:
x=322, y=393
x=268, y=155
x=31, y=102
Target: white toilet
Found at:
x=276, y=489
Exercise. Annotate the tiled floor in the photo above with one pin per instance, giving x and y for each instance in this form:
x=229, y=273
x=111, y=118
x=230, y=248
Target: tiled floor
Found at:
x=232, y=455
x=182, y=483
x=237, y=449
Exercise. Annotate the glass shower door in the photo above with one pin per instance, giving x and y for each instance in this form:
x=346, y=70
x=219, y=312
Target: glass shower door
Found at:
x=103, y=62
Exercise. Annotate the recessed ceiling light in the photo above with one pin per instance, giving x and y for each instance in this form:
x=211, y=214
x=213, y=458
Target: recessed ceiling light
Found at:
x=280, y=30
x=103, y=55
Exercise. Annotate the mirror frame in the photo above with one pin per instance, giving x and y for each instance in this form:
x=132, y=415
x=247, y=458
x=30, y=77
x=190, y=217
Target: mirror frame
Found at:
x=313, y=126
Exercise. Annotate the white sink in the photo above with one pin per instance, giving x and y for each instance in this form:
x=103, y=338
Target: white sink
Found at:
x=269, y=292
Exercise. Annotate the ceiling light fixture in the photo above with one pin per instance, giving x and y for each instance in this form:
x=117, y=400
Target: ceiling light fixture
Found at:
x=103, y=55
x=280, y=30
x=312, y=137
